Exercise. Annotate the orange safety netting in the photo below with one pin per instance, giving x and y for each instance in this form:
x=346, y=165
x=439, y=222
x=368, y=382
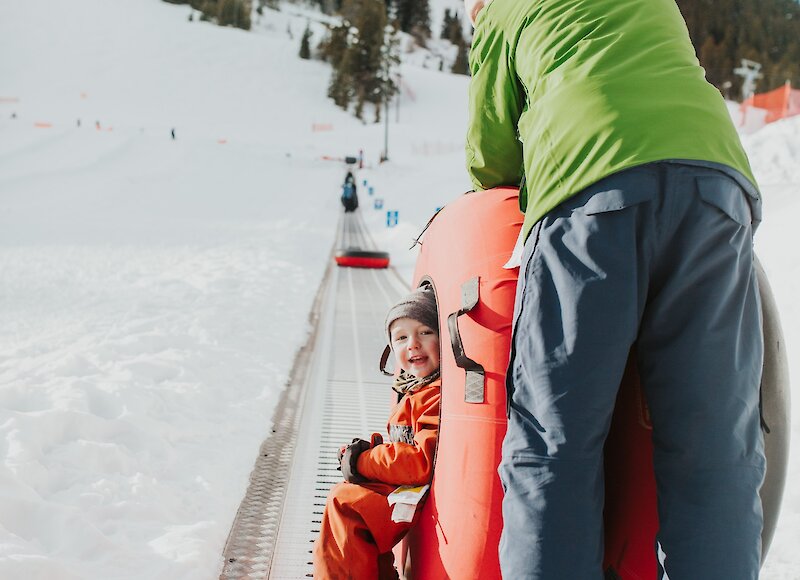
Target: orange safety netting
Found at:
x=779, y=103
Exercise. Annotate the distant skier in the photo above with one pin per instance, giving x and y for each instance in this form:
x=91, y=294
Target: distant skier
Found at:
x=172, y=133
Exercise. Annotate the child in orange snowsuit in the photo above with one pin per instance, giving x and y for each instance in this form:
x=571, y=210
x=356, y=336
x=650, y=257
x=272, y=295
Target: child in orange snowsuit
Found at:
x=358, y=529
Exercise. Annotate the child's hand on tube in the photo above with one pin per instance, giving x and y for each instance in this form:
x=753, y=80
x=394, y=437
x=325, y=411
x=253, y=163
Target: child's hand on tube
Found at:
x=348, y=457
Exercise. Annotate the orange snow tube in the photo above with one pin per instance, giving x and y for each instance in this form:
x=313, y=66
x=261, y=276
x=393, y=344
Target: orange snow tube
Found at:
x=462, y=256
x=457, y=537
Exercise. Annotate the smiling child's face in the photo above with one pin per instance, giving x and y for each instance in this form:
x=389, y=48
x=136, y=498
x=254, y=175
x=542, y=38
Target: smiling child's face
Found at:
x=415, y=347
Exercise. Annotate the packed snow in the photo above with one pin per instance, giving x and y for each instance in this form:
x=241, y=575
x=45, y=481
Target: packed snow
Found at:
x=155, y=290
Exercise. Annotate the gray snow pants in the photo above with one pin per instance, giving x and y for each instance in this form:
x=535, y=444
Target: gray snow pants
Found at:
x=660, y=255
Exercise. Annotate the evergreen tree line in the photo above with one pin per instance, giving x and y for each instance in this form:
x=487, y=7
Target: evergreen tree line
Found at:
x=223, y=12
x=362, y=50
x=725, y=31
x=410, y=16
x=722, y=31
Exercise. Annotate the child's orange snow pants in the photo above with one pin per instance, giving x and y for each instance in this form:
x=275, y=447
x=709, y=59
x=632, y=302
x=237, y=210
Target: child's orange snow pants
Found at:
x=357, y=534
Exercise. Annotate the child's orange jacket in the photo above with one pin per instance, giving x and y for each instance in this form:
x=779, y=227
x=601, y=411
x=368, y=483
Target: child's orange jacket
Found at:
x=413, y=426
x=357, y=532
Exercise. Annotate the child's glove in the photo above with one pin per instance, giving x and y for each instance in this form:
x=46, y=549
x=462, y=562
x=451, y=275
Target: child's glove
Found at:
x=348, y=457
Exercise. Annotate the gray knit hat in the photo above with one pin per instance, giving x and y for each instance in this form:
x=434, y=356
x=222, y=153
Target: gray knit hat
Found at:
x=419, y=305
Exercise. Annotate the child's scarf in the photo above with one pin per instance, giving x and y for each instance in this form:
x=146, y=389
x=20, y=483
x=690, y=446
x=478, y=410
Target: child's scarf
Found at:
x=407, y=383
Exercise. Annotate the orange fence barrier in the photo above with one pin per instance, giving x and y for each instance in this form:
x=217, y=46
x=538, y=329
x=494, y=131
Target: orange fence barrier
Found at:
x=779, y=104
x=42, y=125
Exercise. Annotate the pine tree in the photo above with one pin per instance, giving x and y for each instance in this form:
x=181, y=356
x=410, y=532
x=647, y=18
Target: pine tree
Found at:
x=360, y=51
x=339, y=89
x=461, y=64
x=336, y=51
x=446, y=21
x=390, y=56
x=209, y=8
x=224, y=12
x=451, y=28
x=332, y=47
x=235, y=13
x=413, y=17
x=305, y=43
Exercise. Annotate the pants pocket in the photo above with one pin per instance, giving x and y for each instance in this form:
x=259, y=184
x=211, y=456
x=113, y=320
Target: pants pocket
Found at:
x=620, y=191
x=726, y=195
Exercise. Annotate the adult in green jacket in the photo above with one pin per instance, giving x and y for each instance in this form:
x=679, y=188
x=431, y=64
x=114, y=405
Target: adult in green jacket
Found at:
x=640, y=207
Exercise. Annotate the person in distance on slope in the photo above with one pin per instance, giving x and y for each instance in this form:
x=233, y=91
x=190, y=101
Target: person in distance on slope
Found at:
x=360, y=526
x=349, y=192
x=640, y=207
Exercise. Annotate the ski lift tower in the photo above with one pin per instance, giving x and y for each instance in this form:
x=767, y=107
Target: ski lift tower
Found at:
x=750, y=71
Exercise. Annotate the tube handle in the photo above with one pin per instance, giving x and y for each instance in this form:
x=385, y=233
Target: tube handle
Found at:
x=474, y=387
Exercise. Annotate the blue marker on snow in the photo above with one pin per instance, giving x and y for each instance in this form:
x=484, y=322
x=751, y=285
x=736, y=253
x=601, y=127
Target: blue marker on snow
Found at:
x=371, y=190
x=378, y=203
x=391, y=219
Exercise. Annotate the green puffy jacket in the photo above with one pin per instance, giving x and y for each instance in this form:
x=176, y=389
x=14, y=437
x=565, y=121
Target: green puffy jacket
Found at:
x=575, y=90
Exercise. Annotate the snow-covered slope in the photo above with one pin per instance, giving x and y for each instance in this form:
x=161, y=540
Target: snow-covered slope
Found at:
x=154, y=291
